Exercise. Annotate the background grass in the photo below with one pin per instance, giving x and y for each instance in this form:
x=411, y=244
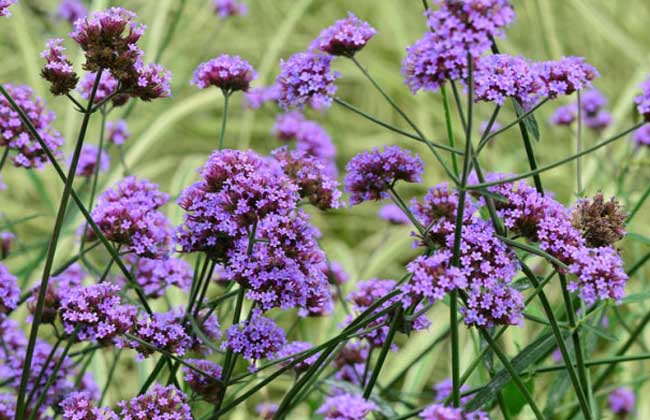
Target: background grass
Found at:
x=172, y=137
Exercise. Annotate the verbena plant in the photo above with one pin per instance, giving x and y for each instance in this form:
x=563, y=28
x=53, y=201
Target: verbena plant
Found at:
x=214, y=310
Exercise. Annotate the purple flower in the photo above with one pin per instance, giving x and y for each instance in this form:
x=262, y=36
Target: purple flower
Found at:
x=484, y=126
x=152, y=81
x=288, y=125
x=433, y=277
x=228, y=73
x=621, y=401
x=7, y=400
x=592, y=102
x=643, y=100
x=599, y=273
x=498, y=305
x=598, y=122
x=96, y=313
x=371, y=174
x=57, y=287
x=439, y=411
x=87, y=164
x=80, y=406
x=293, y=348
x=350, y=362
x=228, y=8
x=127, y=215
x=310, y=137
x=346, y=407
x=565, y=76
x=367, y=293
x=109, y=39
x=335, y=273
x=641, y=137
x=159, y=403
x=311, y=177
x=6, y=239
x=154, y=276
x=394, y=215
x=282, y=269
x=256, y=97
x=58, y=69
x=9, y=290
x=501, y=76
x=255, y=338
x=564, y=115
x=16, y=136
x=345, y=37
x=71, y=10
x=306, y=79
x=106, y=87
x=117, y=132
x=443, y=390
x=266, y=410
x=164, y=330
x=205, y=383
x=4, y=7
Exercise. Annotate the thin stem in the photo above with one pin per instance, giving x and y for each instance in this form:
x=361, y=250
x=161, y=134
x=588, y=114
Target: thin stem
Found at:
x=579, y=147
x=450, y=129
x=487, y=135
x=5, y=154
x=109, y=377
x=63, y=205
x=638, y=205
x=224, y=118
x=382, y=355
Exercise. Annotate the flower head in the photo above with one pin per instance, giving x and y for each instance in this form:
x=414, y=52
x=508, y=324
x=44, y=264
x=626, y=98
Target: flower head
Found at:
x=165, y=330
x=294, y=348
x=311, y=177
x=9, y=291
x=80, y=406
x=228, y=8
x=58, y=286
x=58, y=69
x=601, y=222
x=498, y=305
x=371, y=174
x=345, y=37
x=564, y=115
x=266, y=410
x=205, y=383
x=96, y=313
x=255, y=338
x=258, y=96
x=154, y=276
x=288, y=125
x=641, y=137
x=394, y=215
x=621, y=401
x=17, y=137
x=306, y=79
x=4, y=7
x=433, y=277
x=152, y=81
x=565, y=76
x=117, y=132
x=71, y=10
x=106, y=87
x=599, y=274
x=228, y=73
x=159, y=403
x=501, y=76
x=88, y=164
x=347, y=407
x=643, y=100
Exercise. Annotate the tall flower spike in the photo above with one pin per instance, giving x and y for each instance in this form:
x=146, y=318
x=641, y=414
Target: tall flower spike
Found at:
x=228, y=73
x=17, y=137
x=345, y=37
x=58, y=69
x=371, y=174
x=306, y=79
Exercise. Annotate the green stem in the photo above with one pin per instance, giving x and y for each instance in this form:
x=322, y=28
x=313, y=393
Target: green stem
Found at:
x=224, y=118
x=63, y=205
x=382, y=355
x=109, y=377
x=5, y=154
x=450, y=129
x=638, y=205
x=487, y=135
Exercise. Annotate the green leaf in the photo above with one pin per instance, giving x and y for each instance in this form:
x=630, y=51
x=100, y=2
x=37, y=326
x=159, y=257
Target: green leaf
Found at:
x=638, y=238
x=530, y=122
x=515, y=402
x=599, y=332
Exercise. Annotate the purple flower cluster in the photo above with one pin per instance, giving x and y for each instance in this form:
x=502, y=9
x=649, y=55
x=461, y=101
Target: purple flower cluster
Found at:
x=255, y=338
x=350, y=362
x=7, y=406
x=394, y=215
x=643, y=100
x=228, y=73
x=117, y=132
x=58, y=69
x=206, y=382
x=310, y=138
x=564, y=115
x=346, y=407
x=87, y=164
x=258, y=96
x=154, y=276
x=80, y=406
x=58, y=286
x=433, y=277
x=266, y=410
x=153, y=81
x=228, y=8
x=439, y=411
x=4, y=7
x=16, y=136
x=594, y=116
x=96, y=313
x=502, y=76
x=294, y=348
x=565, y=76
x=458, y=29
x=599, y=274
x=444, y=388
x=621, y=401
x=128, y=215
x=306, y=79
x=107, y=85
x=641, y=136
x=345, y=37
x=159, y=403
x=371, y=174
x=9, y=291
x=311, y=176
x=71, y=10
x=369, y=292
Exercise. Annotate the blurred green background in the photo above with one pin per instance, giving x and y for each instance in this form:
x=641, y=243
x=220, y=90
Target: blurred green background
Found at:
x=171, y=138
